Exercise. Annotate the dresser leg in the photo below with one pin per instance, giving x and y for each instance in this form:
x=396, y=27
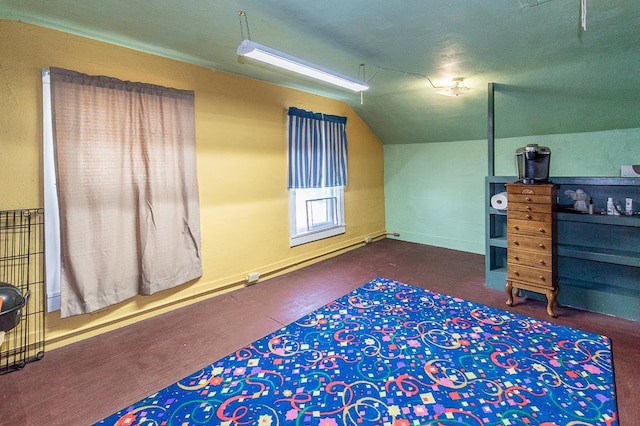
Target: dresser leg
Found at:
x=509, y=289
x=551, y=302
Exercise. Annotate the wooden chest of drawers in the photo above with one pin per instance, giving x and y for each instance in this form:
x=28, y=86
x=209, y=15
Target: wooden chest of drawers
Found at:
x=531, y=241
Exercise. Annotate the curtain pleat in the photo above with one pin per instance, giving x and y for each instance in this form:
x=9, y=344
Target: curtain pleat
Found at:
x=127, y=189
x=317, y=149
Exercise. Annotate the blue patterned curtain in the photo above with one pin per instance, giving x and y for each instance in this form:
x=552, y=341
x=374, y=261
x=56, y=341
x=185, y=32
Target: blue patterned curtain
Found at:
x=317, y=149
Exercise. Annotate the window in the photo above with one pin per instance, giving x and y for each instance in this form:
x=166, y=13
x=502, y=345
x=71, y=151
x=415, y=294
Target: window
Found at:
x=317, y=175
x=316, y=213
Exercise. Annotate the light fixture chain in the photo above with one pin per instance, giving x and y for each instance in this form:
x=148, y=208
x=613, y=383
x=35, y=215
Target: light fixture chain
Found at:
x=363, y=77
x=242, y=15
x=362, y=73
x=405, y=73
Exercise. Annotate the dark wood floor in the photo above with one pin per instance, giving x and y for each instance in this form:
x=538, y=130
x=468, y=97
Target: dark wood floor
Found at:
x=86, y=381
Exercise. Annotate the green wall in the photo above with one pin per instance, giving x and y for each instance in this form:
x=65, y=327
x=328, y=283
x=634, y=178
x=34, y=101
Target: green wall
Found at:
x=434, y=192
x=576, y=154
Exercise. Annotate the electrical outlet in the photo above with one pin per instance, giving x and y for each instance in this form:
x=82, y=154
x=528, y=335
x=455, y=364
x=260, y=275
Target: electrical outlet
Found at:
x=253, y=277
x=368, y=239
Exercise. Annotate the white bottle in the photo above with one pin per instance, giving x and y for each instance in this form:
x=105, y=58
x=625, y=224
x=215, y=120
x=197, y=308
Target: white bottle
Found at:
x=611, y=210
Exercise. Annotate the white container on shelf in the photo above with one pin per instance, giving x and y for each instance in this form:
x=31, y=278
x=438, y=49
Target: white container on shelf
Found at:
x=611, y=209
x=630, y=171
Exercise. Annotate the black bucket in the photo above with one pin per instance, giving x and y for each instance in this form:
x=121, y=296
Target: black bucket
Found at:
x=12, y=303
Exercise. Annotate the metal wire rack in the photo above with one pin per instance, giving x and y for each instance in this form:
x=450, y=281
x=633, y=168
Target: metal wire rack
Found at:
x=22, y=265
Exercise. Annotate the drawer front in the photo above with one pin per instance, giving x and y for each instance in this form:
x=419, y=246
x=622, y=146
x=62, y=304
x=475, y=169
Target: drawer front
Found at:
x=529, y=189
x=531, y=199
x=517, y=258
x=529, y=227
x=534, y=276
x=529, y=215
x=529, y=207
x=524, y=242
x=530, y=244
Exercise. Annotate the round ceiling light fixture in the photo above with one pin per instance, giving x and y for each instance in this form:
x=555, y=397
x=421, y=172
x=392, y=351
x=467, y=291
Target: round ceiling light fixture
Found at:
x=456, y=89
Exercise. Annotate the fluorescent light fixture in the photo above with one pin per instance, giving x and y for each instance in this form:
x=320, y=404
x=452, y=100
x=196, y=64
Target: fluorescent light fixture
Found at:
x=272, y=57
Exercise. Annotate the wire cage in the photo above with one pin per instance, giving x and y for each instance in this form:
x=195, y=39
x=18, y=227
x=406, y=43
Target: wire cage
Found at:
x=22, y=266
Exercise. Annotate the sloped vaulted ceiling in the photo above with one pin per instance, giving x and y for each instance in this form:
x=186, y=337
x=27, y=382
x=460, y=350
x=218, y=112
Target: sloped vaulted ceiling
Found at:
x=552, y=76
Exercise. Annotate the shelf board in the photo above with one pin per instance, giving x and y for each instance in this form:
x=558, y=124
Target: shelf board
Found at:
x=633, y=221
x=600, y=287
x=597, y=181
x=568, y=180
x=498, y=242
x=618, y=257
x=497, y=212
x=496, y=278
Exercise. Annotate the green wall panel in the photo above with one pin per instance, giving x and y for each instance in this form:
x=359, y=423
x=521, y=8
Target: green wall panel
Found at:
x=576, y=154
x=434, y=192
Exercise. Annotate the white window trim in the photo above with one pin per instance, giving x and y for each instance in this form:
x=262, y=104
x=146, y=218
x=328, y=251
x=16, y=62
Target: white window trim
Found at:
x=296, y=239
x=51, y=212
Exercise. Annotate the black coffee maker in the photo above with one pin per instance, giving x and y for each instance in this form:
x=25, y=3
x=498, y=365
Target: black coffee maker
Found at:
x=532, y=162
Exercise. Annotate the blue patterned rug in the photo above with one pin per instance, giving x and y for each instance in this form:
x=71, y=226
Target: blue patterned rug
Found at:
x=392, y=354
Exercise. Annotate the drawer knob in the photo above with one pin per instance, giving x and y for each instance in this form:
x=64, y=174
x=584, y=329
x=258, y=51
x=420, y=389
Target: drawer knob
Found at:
x=541, y=278
x=528, y=216
x=516, y=228
x=527, y=199
x=515, y=243
x=542, y=230
x=516, y=273
x=528, y=208
x=516, y=257
x=541, y=245
x=542, y=262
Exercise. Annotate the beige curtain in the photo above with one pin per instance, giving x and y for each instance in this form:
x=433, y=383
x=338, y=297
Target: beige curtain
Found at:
x=127, y=189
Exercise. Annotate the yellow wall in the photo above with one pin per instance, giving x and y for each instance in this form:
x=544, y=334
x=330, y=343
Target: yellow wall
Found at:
x=242, y=169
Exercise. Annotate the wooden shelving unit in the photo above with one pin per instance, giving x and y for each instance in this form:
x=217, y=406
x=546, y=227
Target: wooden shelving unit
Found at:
x=598, y=255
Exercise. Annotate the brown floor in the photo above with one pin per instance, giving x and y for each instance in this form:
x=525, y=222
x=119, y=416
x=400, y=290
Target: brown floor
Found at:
x=86, y=381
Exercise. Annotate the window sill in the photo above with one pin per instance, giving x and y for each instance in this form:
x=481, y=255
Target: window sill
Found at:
x=316, y=235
